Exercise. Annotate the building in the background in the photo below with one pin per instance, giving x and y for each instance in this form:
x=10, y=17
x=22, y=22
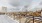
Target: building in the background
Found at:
x=4, y=9
x=0, y=9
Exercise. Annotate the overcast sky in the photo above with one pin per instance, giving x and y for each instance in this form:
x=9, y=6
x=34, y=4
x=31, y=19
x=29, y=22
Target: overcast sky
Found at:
x=20, y=3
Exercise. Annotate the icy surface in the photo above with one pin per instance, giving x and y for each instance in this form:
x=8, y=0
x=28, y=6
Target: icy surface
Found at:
x=6, y=19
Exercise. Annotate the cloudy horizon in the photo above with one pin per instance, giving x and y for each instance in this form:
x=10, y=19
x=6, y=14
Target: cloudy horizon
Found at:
x=20, y=4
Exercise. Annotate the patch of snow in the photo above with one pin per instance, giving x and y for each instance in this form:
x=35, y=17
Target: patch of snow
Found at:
x=6, y=19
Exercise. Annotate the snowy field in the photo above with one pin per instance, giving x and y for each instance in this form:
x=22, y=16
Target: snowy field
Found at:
x=18, y=6
x=6, y=19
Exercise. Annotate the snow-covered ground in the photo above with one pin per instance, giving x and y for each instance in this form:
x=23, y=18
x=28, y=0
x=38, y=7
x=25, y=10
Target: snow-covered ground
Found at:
x=6, y=19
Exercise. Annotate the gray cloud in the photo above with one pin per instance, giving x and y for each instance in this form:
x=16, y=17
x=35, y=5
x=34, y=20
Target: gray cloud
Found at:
x=19, y=2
